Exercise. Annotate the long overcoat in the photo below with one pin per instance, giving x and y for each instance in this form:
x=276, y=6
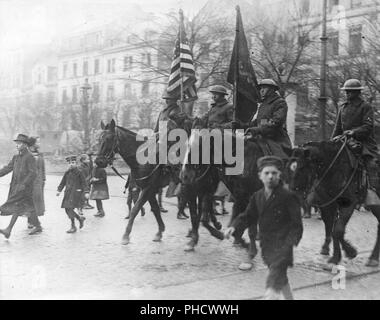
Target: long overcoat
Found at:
x=99, y=189
x=220, y=115
x=280, y=224
x=271, y=124
x=358, y=116
x=75, y=185
x=171, y=112
x=20, y=200
x=39, y=185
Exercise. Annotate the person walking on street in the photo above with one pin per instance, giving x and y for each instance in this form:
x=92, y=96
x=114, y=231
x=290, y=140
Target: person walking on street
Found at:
x=99, y=187
x=75, y=185
x=38, y=186
x=85, y=167
x=278, y=214
x=20, y=196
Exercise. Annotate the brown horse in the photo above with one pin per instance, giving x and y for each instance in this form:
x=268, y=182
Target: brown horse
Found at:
x=148, y=177
x=331, y=175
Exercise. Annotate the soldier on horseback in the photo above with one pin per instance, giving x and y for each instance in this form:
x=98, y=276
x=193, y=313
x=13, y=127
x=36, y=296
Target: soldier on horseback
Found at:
x=270, y=122
x=356, y=121
x=221, y=113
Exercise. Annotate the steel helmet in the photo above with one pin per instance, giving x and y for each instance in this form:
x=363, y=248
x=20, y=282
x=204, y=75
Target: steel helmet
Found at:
x=167, y=95
x=219, y=89
x=269, y=82
x=352, y=84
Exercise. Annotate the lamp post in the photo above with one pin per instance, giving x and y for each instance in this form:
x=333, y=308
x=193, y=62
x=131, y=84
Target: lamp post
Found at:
x=84, y=102
x=323, y=77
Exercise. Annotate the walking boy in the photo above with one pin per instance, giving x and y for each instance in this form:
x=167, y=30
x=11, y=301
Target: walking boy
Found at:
x=278, y=214
x=75, y=184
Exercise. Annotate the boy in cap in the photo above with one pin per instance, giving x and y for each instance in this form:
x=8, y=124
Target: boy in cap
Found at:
x=278, y=214
x=75, y=184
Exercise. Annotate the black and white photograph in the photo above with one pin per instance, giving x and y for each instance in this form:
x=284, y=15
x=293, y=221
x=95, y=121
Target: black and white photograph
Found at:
x=194, y=151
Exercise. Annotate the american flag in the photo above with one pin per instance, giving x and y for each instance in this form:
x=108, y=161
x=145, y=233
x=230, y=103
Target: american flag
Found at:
x=182, y=69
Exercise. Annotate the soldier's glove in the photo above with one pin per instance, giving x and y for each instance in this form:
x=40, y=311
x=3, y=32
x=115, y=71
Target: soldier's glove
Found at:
x=349, y=133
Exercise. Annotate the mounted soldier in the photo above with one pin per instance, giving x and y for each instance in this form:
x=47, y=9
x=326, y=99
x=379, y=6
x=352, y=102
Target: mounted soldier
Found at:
x=355, y=120
x=269, y=125
x=221, y=113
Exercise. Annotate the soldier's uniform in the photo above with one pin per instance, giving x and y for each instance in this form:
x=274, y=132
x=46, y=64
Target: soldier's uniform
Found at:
x=358, y=116
x=221, y=113
x=270, y=123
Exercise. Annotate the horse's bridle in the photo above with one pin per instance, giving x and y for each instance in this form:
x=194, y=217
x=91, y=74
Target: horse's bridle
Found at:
x=317, y=183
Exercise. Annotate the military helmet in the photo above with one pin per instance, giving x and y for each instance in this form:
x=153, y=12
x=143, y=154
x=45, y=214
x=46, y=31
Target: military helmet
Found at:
x=269, y=82
x=352, y=84
x=167, y=95
x=219, y=89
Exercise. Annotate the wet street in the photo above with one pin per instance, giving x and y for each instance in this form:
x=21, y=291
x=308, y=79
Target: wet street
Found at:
x=92, y=264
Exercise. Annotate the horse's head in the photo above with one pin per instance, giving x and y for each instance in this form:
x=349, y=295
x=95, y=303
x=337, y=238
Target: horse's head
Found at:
x=107, y=142
x=302, y=167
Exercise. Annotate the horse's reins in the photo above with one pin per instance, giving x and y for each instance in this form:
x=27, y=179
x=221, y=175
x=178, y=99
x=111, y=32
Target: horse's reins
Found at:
x=319, y=182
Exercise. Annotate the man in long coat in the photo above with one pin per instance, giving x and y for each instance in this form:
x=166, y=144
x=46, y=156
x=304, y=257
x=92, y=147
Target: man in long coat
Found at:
x=270, y=122
x=356, y=120
x=20, y=197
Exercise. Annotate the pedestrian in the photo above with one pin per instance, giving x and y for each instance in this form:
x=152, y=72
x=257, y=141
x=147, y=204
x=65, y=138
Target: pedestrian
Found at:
x=38, y=186
x=85, y=167
x=99, y=187
x=277, y=212
x=20, y=199
x=75, y=185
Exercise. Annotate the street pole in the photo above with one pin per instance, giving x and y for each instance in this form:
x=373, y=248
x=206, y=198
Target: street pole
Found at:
x=323, y=76
x=85, y=88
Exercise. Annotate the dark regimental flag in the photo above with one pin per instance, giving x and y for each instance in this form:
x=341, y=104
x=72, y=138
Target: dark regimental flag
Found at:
x=242, y=76
x=182, y=69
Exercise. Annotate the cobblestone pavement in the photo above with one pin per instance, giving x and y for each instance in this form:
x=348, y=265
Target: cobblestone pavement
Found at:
x=92, y=264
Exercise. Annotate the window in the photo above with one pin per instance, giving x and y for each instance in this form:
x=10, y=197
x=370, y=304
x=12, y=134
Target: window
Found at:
x=126, y=62
x=127, y=90
x=64, y=72
x=110, y=92
x=96, y=92
x=143, y=59
x=85, y=68
x=355, y=40
x=333, y=44
x=130, y=62
x=64, y=95
x=332, y=4
x=148, y=59
x=356, y=3
x=96, y=66
x=74, y=95
x=52, y=74
x=145, y=88
x=305, y=6
x=111, y=65
x=75, y=69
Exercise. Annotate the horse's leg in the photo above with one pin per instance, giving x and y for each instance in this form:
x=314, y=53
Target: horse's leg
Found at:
x=238, y=207
x=194, y=223
x=157, y=213
x=207, y=211
x=373, y=260
x=143, y=197
x=344, y=217
x=328, y=217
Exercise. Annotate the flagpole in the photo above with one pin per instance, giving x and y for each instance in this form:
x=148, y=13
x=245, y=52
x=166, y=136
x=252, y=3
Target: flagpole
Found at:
x=236, y=75
x=180, y=67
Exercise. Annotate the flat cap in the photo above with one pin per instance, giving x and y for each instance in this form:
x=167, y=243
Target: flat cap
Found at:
x=270, y=161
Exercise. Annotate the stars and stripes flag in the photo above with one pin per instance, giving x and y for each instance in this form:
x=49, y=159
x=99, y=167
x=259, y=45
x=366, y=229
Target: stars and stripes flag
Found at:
x=182, y=74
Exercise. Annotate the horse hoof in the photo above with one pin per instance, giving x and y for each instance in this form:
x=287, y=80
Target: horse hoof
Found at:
x=333, y=261
x=372, y=263
x=125, y=240
x=189, y=248
x=157, y=238
x=218, y=226
x=127, y=217
x=189, y=234
x=325, y=252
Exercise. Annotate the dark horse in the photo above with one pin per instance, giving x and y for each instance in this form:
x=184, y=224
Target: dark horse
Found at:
x=332, y=177
x=149, y=177
x=241, y=187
